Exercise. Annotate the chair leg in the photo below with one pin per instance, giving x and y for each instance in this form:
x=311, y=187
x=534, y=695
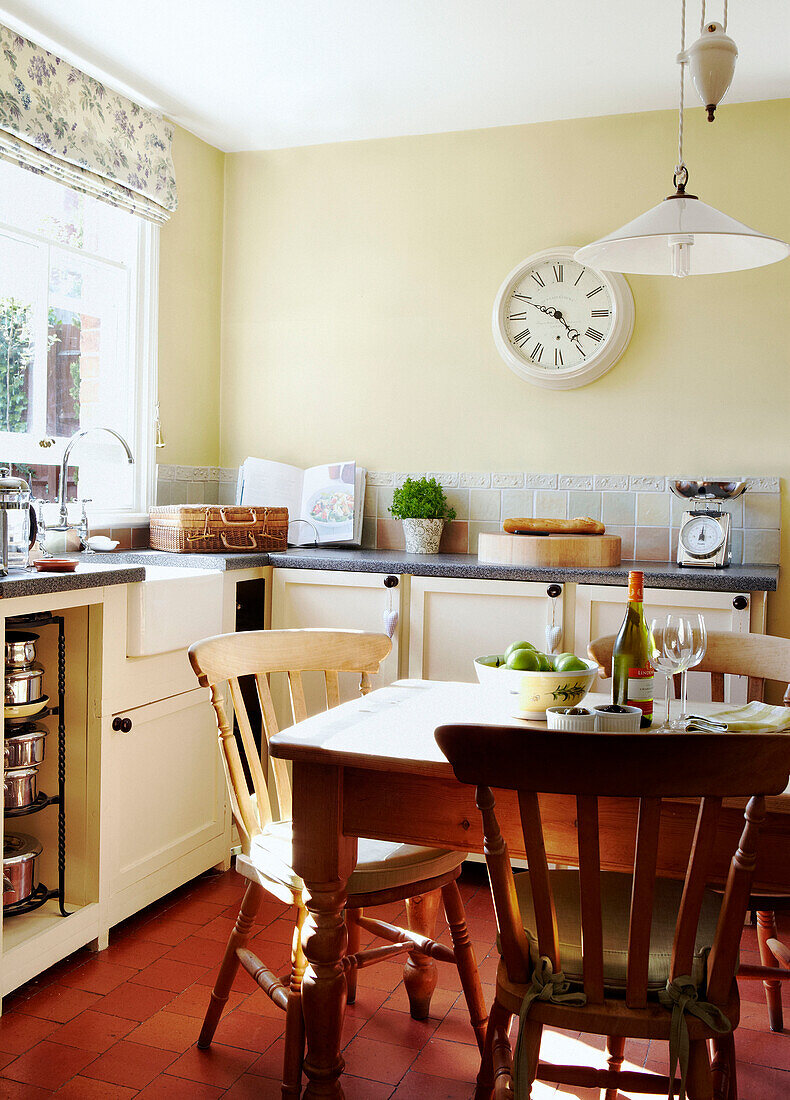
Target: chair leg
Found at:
x=230, y=963
x=354, y=937
x=465, y=960
x=294, y=1017
x=419, y=971
x=766, y=930
x=615, y=1048
x=699, y=1082
x=530, y=1043
x=723, y=1068
x=498, y=1019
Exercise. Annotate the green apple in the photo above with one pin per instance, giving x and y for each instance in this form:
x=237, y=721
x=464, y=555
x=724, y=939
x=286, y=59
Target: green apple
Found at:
x=523, y=660
x=517, y=645
x=492, y=662
x=544, y=662
x=567, y=662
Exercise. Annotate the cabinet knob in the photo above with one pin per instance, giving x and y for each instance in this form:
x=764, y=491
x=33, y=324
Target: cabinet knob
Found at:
x=740, y=603
x=122, y=725
x=553, y=591
x=391, y=582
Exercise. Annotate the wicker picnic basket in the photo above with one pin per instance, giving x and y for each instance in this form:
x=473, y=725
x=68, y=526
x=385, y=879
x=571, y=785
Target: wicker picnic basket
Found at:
x=187, y=528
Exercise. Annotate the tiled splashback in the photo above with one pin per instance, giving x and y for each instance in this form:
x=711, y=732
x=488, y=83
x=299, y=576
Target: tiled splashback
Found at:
x=639, y=508
x=195, y=485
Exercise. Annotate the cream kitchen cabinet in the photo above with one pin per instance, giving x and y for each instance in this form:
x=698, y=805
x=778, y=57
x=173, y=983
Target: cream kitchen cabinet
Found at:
x=599, y=609
x=336, y=599
x=163, y=800
x=453, y=621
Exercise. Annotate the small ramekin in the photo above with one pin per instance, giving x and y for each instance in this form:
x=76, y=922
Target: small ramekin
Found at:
x=612, y=722
x=572, y=723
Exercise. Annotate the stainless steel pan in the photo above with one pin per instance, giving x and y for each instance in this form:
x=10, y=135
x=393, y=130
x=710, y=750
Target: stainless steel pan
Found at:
x=20, y=787
x=20, y=648
x=20, y=866
x=24, y=747
x=23, y=685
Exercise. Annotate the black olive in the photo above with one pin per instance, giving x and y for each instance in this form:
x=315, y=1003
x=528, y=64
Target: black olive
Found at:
x=614, y=708
x=576, y=710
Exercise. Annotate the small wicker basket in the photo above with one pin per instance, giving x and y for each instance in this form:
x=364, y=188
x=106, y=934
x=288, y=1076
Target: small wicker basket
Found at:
x=185, y=528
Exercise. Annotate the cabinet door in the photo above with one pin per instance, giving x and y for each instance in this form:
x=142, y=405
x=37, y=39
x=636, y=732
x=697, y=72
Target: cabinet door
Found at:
x=335, y=600
x=163, y=800
x=453, y=621
x=600, y=610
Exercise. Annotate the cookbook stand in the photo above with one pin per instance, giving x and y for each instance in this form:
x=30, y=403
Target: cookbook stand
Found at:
x=42, y=894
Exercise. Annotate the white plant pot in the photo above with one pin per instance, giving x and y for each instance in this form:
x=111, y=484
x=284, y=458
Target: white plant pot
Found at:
x=422, y=535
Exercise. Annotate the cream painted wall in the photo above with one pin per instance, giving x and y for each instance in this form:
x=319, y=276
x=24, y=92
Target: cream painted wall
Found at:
x=359, y=280
x=190, y=280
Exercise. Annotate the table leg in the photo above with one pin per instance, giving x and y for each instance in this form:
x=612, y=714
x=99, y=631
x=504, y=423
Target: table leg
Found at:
x=324, y=859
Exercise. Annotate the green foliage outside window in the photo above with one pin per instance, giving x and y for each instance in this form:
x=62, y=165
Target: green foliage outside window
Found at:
x=16, y=358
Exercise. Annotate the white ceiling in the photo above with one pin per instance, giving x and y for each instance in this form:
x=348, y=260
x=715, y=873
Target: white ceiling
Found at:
x=267, y=74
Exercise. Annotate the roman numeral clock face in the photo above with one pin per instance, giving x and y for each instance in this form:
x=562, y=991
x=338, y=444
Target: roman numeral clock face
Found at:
x=560, y=324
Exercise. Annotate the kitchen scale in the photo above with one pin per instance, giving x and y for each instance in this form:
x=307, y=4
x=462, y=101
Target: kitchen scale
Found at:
x=704, y=537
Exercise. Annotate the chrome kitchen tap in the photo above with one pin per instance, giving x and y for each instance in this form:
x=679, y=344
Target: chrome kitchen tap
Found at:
x=63, y=524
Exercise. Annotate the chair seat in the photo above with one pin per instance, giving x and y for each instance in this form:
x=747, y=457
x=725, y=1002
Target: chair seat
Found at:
x=381, y=864
x=615, y=910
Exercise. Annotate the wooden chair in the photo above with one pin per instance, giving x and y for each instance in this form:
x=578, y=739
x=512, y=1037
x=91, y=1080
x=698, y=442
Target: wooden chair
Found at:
x=385, y=871
x=761, y=657
x=596, y=925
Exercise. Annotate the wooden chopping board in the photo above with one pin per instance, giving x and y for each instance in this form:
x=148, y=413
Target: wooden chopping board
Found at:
x=573, y=551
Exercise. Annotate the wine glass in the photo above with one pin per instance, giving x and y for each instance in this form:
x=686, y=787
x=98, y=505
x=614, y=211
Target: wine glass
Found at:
x=666, y=655
x=694, y=644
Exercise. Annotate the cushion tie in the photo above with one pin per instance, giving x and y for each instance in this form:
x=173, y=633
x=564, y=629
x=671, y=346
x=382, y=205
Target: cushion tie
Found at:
x=545, y=986
x=681, y=996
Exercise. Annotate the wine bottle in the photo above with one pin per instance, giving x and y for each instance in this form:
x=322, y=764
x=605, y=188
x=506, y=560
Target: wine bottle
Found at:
x=632, y=675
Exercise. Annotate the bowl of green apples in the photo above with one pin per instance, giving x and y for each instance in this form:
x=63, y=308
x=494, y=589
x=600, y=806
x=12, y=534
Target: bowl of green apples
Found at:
x=534, y=680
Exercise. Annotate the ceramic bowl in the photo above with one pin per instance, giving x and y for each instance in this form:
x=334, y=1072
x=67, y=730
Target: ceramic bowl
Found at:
x=556, y=719
x=531, y=693
x=609, y=722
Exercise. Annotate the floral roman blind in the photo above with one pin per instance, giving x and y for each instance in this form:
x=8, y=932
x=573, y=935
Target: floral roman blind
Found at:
x=60, y=122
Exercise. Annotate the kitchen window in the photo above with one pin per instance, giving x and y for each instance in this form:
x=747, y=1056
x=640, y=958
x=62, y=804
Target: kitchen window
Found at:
x=77, y=347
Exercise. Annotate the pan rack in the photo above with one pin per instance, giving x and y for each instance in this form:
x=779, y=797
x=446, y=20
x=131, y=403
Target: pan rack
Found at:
x=43, y=894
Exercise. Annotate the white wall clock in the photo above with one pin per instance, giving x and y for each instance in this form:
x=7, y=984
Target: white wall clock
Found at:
x=560, y=324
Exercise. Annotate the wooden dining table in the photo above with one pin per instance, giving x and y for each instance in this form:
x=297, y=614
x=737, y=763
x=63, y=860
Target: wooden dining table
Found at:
x=371, y=767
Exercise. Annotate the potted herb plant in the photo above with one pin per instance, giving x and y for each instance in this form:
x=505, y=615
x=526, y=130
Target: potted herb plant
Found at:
x=420, y=503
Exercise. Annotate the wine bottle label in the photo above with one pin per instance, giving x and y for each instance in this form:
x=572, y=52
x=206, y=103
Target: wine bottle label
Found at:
x=640, y=689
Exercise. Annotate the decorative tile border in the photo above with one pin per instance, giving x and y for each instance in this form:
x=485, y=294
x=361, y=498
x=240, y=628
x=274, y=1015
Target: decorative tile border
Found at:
x=639, y=508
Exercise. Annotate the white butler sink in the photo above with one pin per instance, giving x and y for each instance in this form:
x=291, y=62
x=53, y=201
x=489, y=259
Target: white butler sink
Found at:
x=172, y=608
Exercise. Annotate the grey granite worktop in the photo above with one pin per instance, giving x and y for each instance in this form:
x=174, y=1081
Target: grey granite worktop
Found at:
x=88, y=574
x=736, y=578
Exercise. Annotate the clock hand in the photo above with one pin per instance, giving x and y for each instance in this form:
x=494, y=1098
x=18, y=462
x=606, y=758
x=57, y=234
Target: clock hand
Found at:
x=572, y=333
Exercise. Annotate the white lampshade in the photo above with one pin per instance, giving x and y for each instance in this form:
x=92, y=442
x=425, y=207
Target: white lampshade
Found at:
x=682, y=236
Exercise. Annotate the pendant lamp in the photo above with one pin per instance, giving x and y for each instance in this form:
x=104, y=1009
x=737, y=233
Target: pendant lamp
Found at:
x=683, y=235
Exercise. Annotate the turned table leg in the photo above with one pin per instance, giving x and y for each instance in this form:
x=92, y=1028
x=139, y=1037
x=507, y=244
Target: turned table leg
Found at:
x=324, y=859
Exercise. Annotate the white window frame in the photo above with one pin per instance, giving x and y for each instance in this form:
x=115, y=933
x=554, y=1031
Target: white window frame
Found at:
x=142, y=339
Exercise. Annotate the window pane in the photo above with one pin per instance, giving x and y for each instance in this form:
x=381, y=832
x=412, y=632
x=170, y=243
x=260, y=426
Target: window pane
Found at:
x=20, y=264
x=68, y=360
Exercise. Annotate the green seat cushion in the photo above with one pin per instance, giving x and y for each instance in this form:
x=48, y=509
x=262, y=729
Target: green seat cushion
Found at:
x=615, y=908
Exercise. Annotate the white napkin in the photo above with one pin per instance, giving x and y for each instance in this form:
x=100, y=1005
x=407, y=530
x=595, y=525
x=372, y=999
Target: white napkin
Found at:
x=754, y=716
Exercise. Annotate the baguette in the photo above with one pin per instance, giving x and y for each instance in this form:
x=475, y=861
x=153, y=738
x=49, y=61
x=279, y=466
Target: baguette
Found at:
x=582, y=525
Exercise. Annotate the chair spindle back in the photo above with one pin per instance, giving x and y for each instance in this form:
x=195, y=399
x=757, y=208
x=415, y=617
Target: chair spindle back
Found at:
x=227, y=658
x=760, y=657
x=710, y=767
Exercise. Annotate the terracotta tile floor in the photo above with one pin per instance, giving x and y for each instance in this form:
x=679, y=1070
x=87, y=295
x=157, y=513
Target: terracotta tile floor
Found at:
x=123, y=1023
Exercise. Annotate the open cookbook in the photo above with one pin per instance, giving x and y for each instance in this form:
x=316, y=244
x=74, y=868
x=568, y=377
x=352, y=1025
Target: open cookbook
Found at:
x=325, y=503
